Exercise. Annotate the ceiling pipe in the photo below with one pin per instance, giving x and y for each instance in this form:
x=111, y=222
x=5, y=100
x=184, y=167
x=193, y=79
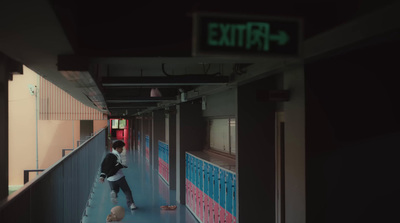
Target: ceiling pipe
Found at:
x=169, y=75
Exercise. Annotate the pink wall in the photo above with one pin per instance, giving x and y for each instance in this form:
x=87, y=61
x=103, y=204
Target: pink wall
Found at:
x=54, y=135
x=22, y=137
x=99, y=124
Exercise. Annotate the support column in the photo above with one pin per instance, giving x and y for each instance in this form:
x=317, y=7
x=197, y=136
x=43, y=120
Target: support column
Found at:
x=138, y=130
x=149, y=132
x=295, y=167
x=7, y=68
x=190, y=136
x=3, y=129
x=256, y=152
x=158, y=134
x=141, y=138
x=172, y=149
x=131, y=133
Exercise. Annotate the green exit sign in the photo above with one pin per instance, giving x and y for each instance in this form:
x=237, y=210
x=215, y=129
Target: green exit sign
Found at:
x=219, y=34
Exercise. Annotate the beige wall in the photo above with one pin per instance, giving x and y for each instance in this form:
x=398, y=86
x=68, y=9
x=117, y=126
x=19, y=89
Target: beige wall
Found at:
x=54, y=135
x=99, y=124
x=22, y=138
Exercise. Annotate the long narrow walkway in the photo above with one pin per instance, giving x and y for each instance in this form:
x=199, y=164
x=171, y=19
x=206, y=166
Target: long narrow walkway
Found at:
x=149, y=193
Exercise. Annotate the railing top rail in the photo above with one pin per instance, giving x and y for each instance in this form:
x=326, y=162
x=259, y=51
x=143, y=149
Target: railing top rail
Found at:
x=34, y=170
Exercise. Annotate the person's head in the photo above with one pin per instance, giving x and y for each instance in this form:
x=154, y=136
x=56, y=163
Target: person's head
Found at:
x=118, y=146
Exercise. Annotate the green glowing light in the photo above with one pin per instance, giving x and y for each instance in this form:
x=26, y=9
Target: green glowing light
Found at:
x=249, y=35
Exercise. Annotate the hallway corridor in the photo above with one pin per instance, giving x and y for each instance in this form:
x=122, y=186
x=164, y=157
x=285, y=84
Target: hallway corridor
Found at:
x=149, y=192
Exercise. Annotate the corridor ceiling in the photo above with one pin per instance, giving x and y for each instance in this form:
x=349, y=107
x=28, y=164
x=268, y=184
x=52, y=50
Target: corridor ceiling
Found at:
x=110, y=54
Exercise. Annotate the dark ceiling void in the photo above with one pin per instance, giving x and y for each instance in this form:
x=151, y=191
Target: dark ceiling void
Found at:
x=127, y=33
x=359, y=93
x=164, y=28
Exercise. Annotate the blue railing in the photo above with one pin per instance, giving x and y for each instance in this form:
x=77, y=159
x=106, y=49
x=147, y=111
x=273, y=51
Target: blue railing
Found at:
x=60, y=194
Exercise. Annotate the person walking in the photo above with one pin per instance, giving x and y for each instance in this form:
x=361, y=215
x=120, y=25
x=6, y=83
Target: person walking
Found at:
x=111, y=169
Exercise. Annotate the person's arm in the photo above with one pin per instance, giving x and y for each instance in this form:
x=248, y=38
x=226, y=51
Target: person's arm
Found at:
x=103, y=170
x=106, y=167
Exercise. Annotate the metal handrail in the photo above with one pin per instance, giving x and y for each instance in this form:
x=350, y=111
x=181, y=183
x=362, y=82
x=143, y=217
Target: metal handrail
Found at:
x=61, y=192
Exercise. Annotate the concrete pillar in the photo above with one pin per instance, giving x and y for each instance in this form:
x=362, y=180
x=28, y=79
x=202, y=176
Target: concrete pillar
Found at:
x=152, y=146
x=256, y=152
x=149, y=132
x=7, y=68
x=138, y=130
x=131, y=133
x=135, y=131
x=190, y=136
x=141, y=138
x=158, y=134
x=172, y=148
x=295, y=179
x=3, y=129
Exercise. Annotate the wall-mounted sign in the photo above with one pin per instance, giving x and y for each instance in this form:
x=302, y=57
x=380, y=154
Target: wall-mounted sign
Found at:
x=218, y=34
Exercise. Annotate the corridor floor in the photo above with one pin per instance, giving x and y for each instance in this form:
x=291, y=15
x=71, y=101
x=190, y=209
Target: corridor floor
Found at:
x=149, y=193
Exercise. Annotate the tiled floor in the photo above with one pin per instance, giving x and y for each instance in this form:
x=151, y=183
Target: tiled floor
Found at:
x=149, y=193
